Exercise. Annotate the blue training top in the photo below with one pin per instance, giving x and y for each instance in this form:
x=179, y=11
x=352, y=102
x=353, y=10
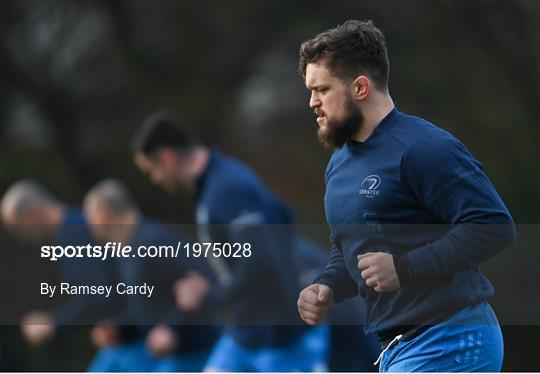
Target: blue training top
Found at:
x=74, y=231
x=412, y=190
x=234, y=206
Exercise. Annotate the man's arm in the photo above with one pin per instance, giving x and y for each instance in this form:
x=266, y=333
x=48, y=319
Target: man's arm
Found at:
x=452, y=185
x=333, y=284
x=337, y=276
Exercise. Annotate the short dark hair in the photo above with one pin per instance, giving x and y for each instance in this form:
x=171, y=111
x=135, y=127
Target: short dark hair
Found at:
x=353, y=48
x=163, y=129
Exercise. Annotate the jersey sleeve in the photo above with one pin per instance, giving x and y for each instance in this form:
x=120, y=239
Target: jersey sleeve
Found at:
x=337, y=276
x=448, y=181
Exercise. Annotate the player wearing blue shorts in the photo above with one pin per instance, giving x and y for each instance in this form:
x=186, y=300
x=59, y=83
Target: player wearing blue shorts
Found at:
x=256, y=291
x=411, y=211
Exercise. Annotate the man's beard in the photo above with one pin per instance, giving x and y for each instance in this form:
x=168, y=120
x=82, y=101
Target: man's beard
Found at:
x=336, y=133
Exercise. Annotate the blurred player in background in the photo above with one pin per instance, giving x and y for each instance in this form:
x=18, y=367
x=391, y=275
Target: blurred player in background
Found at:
x=425, y=294
x=126, y=340
x=35, y=215
x=255, y=292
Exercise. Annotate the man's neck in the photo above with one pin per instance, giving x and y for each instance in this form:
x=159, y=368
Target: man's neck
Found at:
x=373, y=115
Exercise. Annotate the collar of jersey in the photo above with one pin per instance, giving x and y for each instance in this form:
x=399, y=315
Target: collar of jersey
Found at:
x=383, y=125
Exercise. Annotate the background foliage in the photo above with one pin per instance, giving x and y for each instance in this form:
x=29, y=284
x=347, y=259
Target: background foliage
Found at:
x=78, y=77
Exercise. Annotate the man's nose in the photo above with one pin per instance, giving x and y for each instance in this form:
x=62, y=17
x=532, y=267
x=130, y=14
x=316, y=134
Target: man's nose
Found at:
x=314, y=100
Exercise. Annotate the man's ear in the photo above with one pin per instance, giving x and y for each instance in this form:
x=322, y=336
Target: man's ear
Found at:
x=361, y=87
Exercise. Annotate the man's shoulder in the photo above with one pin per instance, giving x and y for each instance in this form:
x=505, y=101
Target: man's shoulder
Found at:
x=74, y=228
x=230, y=184
x=231, y=173
x=73, y=216
x=431, y=147
x=413, y=131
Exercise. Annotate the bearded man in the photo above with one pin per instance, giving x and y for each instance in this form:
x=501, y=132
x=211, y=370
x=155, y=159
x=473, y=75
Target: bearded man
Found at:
x=411, y=211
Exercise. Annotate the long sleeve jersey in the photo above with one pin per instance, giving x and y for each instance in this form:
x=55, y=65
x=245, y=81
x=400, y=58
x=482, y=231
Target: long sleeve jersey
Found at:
x=234, y=206
x=412, y=190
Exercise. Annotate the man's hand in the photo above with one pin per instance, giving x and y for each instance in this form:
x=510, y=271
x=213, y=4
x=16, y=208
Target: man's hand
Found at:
x=37, y=327
x=190, y=291
x=313, y=303
x=105, y=334
x=161, y=340
x=379, y=271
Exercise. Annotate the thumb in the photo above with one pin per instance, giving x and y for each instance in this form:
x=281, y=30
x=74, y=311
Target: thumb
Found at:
x=324, y=294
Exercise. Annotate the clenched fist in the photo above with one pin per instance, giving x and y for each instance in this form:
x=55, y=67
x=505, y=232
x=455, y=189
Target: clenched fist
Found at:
x=38, y=327
x=313, y=303
x=161, y=340
x=191, y=291
x=105, y=334
x=378, y=270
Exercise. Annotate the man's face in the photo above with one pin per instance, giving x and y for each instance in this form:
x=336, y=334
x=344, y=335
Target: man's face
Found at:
x=157, y=171
x=103, y=225
x=100, y=223
x=29, y=226
x=331, y=100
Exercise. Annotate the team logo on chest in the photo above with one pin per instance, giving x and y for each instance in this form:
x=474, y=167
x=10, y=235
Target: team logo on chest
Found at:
x=370, y=186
